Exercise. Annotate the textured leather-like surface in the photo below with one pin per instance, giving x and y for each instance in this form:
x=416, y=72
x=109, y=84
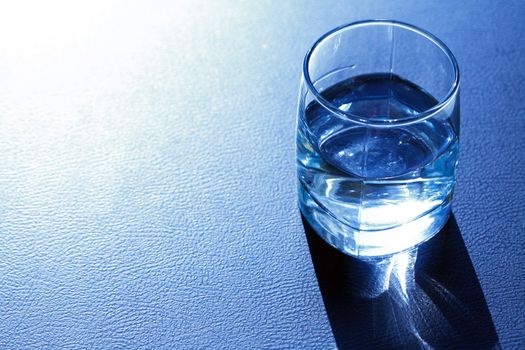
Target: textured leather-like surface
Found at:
x=147, y=169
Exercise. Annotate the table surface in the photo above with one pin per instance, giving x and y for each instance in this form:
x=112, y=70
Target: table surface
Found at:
x=147, y=178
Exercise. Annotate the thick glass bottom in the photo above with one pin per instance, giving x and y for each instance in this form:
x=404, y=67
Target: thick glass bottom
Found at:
x=372, y=243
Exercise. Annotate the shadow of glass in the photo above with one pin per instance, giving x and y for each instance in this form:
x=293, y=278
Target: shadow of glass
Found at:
x=428, y=297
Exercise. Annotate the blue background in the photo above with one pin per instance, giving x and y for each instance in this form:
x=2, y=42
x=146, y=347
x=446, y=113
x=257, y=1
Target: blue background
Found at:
x=147, y=169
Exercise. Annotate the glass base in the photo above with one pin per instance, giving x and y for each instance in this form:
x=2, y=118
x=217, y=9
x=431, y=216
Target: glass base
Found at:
x=365, y=244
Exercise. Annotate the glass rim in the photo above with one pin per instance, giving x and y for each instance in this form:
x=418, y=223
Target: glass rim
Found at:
x=392, y=122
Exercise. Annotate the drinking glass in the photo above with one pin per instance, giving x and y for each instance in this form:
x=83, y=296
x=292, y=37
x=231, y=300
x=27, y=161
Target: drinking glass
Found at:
x=377, y=136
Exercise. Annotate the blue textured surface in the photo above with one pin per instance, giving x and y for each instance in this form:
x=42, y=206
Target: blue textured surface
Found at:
x=147, y=178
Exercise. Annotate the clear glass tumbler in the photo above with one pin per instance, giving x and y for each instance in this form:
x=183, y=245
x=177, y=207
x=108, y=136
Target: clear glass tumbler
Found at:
x=377, y=136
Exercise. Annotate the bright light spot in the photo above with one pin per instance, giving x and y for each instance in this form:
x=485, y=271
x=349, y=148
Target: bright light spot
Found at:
x=395, y=239
x=345, y=107
x=395, y=213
